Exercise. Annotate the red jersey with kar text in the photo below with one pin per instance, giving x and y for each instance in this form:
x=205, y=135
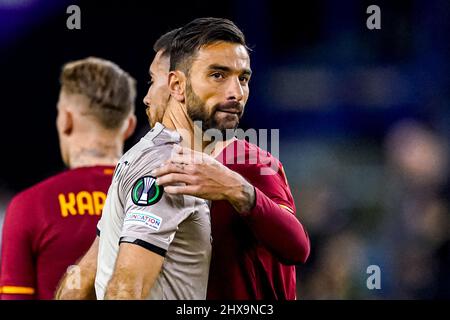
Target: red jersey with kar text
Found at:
x=47, y=228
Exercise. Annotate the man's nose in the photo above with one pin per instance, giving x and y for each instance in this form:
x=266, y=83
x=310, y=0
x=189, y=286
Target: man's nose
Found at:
x=146, y=101
x=235, y=90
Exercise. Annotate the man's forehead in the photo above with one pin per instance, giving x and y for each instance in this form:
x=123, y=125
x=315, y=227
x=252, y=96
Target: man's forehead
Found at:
x=227, y=54
x=151, y=68
x=159, y=61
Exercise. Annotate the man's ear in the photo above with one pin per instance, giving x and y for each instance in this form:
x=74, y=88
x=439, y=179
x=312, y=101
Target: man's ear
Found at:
x=130, y=126
x=177, y=85
x=66, y=122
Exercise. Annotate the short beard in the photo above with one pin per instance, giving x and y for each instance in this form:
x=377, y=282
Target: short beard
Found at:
x=197, y=111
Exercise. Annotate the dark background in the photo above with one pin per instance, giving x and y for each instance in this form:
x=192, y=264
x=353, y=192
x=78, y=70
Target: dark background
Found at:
x=364, y=118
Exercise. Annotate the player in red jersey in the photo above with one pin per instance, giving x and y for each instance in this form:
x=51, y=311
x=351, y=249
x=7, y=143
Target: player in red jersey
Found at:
x=257, y=239
x=50, y=225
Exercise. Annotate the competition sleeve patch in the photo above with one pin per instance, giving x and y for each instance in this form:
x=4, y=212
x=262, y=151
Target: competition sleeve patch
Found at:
x=146, y=219
x=146, y=192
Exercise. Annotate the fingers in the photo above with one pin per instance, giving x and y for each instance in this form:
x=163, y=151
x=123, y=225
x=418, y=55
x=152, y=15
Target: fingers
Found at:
x=191, y=157
x=187, y=190
x=168, y=168
x=188, y=154
x=186, y=158
x=173, y=178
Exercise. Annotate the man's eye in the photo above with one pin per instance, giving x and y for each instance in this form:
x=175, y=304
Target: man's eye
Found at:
x=244, y=79
x=217, y=75
x=150, y=82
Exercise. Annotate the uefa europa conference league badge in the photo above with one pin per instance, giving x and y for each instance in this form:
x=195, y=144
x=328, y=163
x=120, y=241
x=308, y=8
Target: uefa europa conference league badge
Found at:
x=146, y=192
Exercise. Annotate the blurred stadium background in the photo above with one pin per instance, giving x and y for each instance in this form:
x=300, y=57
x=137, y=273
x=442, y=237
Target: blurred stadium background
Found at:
x=364, y=119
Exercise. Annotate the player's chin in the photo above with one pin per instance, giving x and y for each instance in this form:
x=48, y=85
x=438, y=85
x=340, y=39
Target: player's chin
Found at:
x=227, y=121
x=154, y=115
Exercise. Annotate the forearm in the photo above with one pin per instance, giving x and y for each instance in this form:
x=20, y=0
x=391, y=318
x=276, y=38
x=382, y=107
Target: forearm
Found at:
x=78, y=282
x=134, y=274
x=276, y=228
x=241, y=195
x=114, y=294
x=123, y=289
x=77, y=285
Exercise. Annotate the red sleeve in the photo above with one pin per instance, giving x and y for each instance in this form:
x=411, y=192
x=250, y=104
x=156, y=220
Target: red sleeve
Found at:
x=17, y=275
x=273, y=220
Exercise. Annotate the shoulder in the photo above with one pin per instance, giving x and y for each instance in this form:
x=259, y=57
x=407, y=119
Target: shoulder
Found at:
x=147, y=158
x=258, y=166
x=242, y=155
x=40, y=191
x=28, y=201
x=35, y=191
x=139, y=162
x=146, y=151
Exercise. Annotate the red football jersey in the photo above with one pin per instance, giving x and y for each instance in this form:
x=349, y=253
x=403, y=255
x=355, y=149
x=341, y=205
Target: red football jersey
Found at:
x=47, y=228
x=254, y=254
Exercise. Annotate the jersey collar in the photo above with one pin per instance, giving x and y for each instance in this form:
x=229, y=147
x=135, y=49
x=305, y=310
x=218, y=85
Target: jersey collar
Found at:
x=158, y=128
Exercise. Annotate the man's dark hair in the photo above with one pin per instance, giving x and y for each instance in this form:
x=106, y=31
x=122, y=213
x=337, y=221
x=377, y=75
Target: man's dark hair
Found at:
x=164, y=42
x=199, y=33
